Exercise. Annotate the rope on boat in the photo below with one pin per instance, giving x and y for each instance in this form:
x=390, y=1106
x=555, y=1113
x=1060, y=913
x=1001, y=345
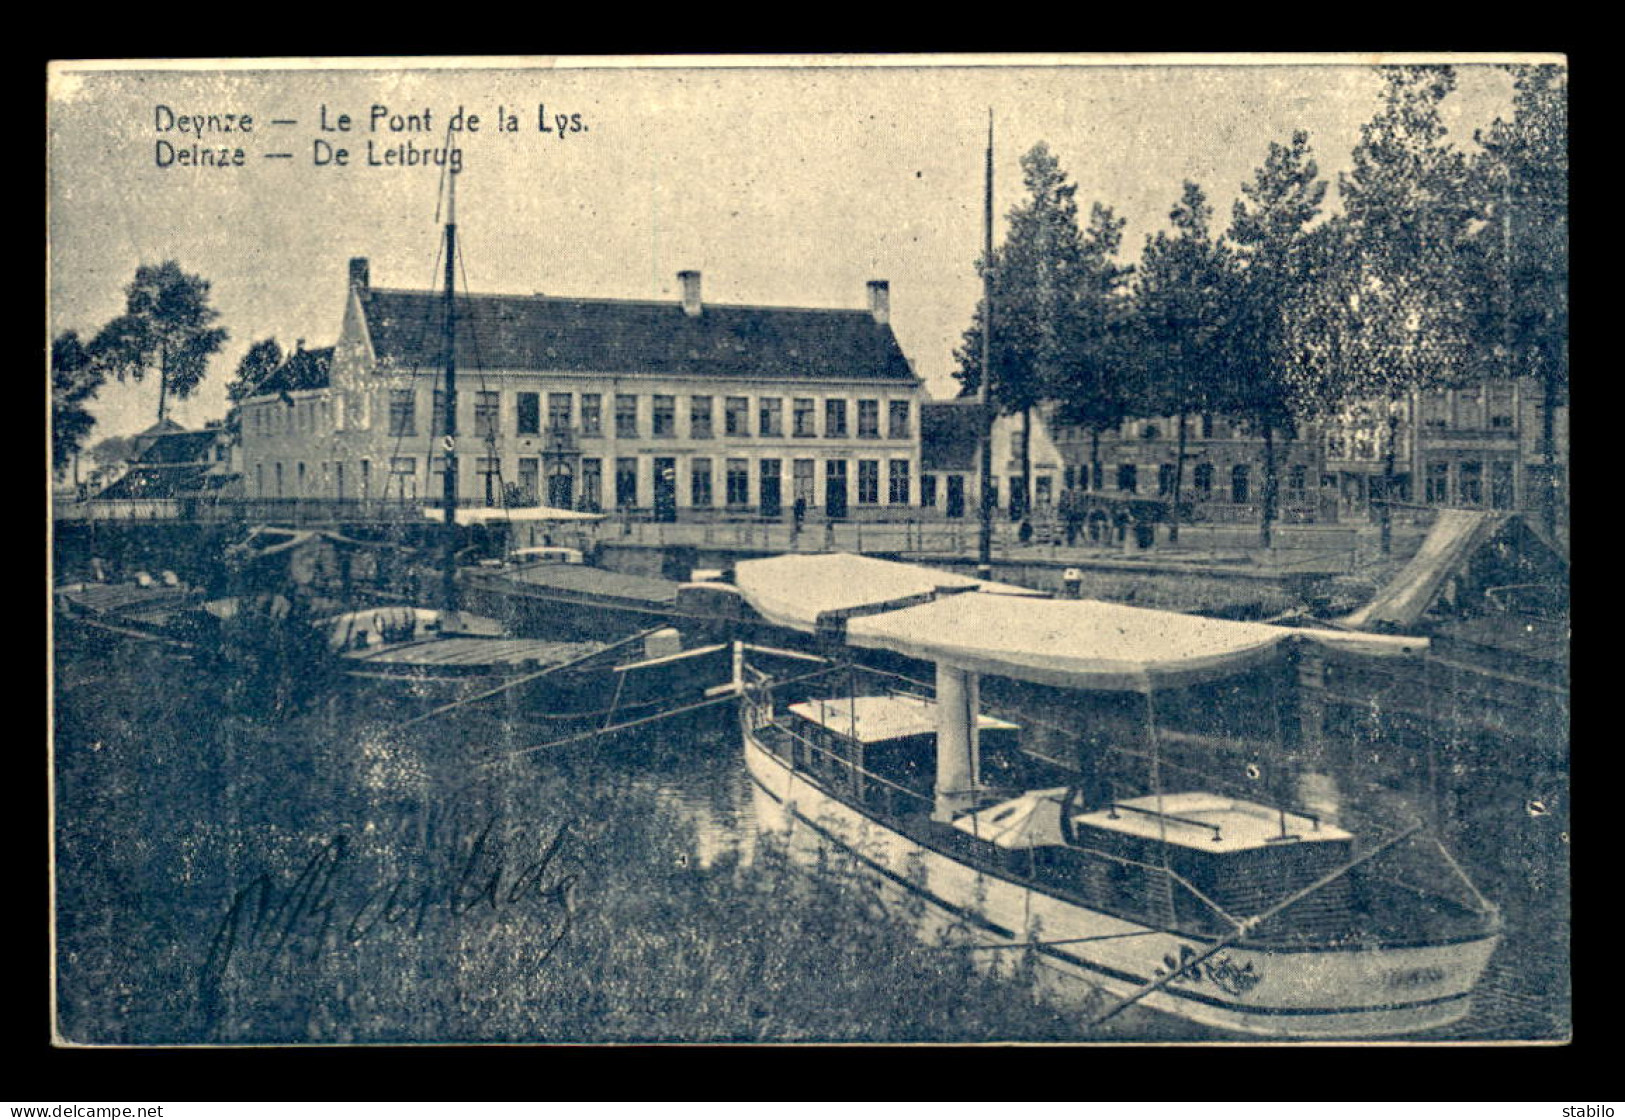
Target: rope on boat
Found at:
x=526, y=679
x=1248, y=925
x=610, y=730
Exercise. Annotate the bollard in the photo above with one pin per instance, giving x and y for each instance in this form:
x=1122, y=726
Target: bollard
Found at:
x=1072, y=584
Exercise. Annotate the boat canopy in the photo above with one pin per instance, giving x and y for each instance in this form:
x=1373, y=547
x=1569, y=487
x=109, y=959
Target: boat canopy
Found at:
x=1010, y=631
x=1089, y=644
x=809, y=593
x=484, y=515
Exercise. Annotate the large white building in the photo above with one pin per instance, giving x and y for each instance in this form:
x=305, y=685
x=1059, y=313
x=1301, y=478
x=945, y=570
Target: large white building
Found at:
x=597, y=404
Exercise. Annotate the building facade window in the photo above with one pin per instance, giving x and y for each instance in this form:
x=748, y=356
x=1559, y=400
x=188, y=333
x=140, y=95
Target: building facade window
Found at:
x=1501, y=407
x=1436, y=484
x=278, y=473
x=663, y=416
x=487, y=414
x=928, y=491
x=1297, y=482
x=1436, y=410
x=259, y=480
x=592, y=485
x=805, y=418
x=868, y=482
x=1240, y=484
x=1128, y=478
x=366, y=479
x=558, y=412
x=592, y=414
x=699, y=417
x=868, y=419
x=834, y=418
x=626, y=483
x=403, y=419
x=1471, y=484
x=738, y=482
x=1501, y=484
x=1207, y=425
x=699, y=483
x=898, y=420
x=770, y=416
x=803, y=481
x=770, y=486
x=530, y=477
x=1165, y=479
x=897, y=487
x=1046, y=489
x=736, y=416
x=527, y=414
x=626, y=416
x=404, y=473
x=1202, y=479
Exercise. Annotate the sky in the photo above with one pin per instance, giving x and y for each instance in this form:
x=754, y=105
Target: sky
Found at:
x=783, y=184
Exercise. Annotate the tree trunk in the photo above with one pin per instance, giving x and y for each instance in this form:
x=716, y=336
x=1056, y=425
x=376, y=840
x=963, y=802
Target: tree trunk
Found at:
x=1026, y=463
x=1266, y=521
x=1179, y=481
x=163, y=380
x=1385, y=515
x=1094, y=460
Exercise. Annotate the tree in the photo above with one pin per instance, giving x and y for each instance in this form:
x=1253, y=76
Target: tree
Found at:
x=1521, y=181
x=1408, y=215
x=258, y=363
x=74, y=380
x=1269, y=230
x=1043, y=278
x=166, y=327
x=1180, y=320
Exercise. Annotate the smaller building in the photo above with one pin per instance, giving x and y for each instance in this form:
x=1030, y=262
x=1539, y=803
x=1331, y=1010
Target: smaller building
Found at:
x=173, y=463
x=950, y=460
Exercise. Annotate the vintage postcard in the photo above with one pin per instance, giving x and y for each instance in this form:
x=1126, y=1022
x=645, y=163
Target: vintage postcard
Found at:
x=874, y=550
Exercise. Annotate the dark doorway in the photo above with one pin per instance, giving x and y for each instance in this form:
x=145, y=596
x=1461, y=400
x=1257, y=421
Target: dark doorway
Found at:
x=665, y=489
x=772, y=483
x=561, y=489
x=956, y=495
x=835, y=488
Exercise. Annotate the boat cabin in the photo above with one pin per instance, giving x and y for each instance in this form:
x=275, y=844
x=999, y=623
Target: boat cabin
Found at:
x=883, y=748
x=1173, y=858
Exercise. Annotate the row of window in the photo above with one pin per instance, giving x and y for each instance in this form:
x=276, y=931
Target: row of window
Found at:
x=662, y=416
x=1469, y=488
x=584, y=491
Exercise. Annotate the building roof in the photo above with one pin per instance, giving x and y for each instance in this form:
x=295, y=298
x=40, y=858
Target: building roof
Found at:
x=160, y=480
x=178, y=446
x=950, y=433
x=544, y=333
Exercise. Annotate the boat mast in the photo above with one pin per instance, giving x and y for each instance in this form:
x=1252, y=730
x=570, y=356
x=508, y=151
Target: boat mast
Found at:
x=984, y=554
x=449, y=415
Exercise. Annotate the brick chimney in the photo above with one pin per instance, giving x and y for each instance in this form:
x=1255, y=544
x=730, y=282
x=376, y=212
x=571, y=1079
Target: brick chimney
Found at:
x=359, y=273
x=880, y=301
x=690, y=281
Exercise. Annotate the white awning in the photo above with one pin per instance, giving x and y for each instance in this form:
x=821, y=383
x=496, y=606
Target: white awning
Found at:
x=484, y=515
x=795, y=591
x=1086, y=643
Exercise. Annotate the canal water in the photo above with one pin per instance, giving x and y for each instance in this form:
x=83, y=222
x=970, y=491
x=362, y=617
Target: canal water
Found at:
x=282, y=861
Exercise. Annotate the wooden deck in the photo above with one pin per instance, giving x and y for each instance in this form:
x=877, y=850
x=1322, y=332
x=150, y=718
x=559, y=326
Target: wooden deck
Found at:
x=461, y=655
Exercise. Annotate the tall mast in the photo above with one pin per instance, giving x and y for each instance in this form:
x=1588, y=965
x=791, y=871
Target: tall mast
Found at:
x=984, y=555
x=449, y=416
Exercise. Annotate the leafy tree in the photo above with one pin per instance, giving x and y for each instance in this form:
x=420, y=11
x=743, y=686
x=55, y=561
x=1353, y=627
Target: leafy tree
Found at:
x=1181, y=310
x=1269, y=230
x=1408, y=218
x=259, y=362
x=1521, y=179
x=166, y=328
x=74, y=380
x=1097, y=388
x=1045, y=279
